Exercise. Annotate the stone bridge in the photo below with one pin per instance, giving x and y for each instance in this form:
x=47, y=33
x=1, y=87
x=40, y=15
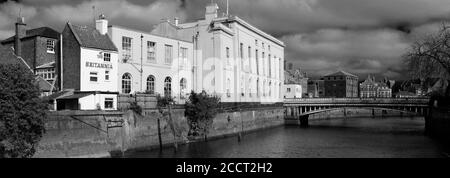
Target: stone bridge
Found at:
x=299, y=109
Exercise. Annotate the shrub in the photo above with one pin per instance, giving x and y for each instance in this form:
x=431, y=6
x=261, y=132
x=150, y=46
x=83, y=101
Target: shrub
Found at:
x=22, y=112
x=200, y=110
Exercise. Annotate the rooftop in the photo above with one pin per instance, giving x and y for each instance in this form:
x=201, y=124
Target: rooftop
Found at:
x=89, y=37
x=341, y=73
x=42, y=31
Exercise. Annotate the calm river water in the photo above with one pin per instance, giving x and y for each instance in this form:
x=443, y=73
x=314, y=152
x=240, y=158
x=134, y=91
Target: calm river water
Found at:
x=352, y=137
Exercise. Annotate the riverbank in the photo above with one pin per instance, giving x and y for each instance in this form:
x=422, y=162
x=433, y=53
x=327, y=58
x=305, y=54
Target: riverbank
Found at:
x=105, y=134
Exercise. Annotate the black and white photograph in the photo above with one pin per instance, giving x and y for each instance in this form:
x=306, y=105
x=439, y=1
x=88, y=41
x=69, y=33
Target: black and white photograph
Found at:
x=213, y=79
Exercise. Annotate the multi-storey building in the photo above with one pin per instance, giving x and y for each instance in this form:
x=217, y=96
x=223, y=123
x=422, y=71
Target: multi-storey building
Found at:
x=316, y=88
x=152, y=63
x=89, y=69
x=40, y=49
x=341, y=85
x=292, y=91
x=232, y=58
x=296, y=76
x=372, y=89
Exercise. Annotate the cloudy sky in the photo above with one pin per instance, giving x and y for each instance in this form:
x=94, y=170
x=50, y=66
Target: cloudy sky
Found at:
x=321, y=36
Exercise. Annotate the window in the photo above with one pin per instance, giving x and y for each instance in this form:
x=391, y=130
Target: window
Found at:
x=107, y=57
x=168, y=54
x=264, y=63
x=256, y=42
x=257, y=62
x=250, y=57
x=151, y=84
x=270, y=88
x=250, y=87
x=151, y=51
x=51, y=46
x=126, y=48
x=288, y=89
x=168, y=86
x=46, y=74
x=109, y=103
x=183, y=57
x=262, y=45
x=270, y=66
x=268, y=47
x=227, y=52
x=126, y=83
x=93, y=76
x=241, y=55
x=228, y=88
x=257, y=87
x=107, y=75
x=183, y=86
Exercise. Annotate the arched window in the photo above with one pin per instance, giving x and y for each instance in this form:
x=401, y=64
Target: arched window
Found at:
x=168, y=86
x=183, y=84
x=126, y=83
x=151, y=84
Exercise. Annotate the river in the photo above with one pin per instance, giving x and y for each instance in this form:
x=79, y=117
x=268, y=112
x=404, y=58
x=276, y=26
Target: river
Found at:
x=333, y=138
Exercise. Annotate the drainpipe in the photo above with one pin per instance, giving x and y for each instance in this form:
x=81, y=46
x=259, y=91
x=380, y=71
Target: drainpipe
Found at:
x=141, y=71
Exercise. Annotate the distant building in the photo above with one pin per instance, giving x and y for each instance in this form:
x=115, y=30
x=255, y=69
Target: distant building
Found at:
x=292, y=91
x=296, y=76
x=39, y=48
x=372, y=89
x=341, y=85
x=316, y=88
x=405, y=94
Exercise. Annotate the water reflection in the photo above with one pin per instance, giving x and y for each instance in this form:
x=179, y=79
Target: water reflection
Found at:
x=352, y=137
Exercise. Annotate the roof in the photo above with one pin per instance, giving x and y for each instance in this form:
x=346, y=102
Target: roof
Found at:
x=7, y=56
x=341, y=73
x=42, y=31
x=47, y=65
x=44, y=85
x=75, y=96
x=90, y=37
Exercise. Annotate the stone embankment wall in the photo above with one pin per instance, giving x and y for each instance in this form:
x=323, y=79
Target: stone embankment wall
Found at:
x=102, y=133
x=437, y=123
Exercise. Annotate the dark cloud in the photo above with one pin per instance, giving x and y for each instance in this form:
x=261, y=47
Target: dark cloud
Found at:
x=360, y=36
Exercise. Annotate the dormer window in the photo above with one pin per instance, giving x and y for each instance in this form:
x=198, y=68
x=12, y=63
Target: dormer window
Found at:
x=50, y=46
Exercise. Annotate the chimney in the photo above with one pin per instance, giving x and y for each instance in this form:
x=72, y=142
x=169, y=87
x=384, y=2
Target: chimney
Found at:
x=102, y=25
x=175, y=21
x=211, y=11
x=20, y=33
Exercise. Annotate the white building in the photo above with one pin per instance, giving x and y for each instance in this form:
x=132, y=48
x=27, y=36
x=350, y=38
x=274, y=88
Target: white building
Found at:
x=292, y=91
x=233, y=59
x=150, y=63
x=89, y=69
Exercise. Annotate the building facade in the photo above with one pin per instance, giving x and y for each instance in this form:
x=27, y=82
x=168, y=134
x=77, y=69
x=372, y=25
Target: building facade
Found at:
x=296, y=76
x=40, y=49
x=316, y=88
x=89, y=69
x=153, y=64
x=372, y=89
x=292, y=91
x=341, y=85
x=233, y=59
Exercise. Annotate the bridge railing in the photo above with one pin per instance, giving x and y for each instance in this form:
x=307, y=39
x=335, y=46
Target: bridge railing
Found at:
x=356, y=100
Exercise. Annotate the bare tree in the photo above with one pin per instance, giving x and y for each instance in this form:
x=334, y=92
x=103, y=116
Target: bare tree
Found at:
x=429, y=57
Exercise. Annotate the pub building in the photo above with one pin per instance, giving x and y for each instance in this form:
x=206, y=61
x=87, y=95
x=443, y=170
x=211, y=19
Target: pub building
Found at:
x=89, y=70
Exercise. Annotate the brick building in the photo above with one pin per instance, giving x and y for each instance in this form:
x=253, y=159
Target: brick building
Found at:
x=341, y=85
x=39, y=47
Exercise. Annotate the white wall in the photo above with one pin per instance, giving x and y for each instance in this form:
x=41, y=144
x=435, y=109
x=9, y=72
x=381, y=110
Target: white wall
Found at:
x=295, y=91
x=92, y=56
x=90, y=102
x=159, y=69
